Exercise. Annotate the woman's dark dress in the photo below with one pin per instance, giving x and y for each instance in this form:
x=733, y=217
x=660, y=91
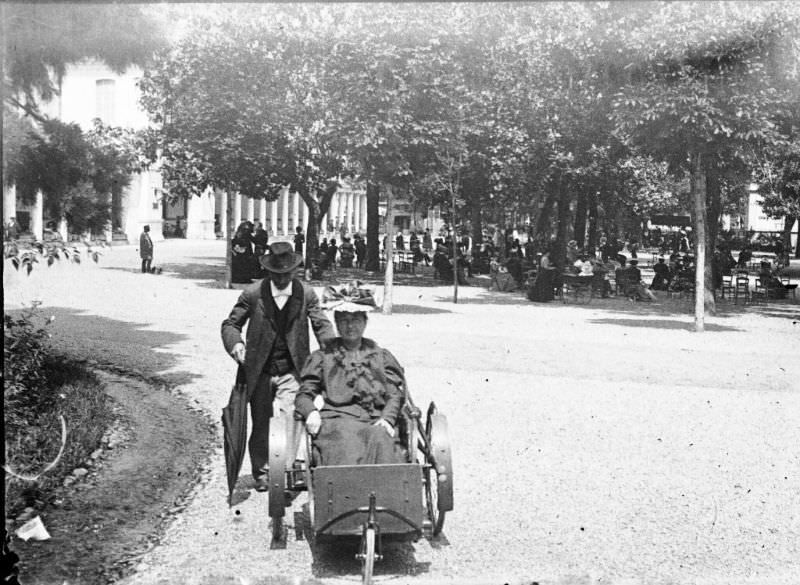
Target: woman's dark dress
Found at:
x=541, y=290
x=243, y=264
x=358, y=390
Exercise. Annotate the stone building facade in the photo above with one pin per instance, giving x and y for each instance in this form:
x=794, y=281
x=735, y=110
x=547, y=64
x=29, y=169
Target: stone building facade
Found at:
x=91, y=90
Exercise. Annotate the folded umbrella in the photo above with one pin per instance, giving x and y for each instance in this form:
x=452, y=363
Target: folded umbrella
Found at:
x=234, y=423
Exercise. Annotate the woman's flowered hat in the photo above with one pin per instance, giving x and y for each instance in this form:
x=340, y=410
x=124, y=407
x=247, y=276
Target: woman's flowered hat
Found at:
x=351, y=298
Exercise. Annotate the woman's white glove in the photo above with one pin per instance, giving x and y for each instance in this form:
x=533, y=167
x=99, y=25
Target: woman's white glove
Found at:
x=313, y=422
x=387, y=426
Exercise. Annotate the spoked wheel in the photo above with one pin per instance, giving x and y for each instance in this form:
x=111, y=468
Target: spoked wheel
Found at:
x=277, y=478
x=439, y=480
x=367, y=556
x=432, y=501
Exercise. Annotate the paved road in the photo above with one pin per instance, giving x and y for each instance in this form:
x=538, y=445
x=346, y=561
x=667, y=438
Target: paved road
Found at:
x=597, y=444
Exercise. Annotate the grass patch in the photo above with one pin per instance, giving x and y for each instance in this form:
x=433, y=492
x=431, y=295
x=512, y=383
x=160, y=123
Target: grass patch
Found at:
x=33, y=405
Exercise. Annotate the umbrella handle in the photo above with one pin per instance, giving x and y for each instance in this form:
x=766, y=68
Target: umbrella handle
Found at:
x=241, y=375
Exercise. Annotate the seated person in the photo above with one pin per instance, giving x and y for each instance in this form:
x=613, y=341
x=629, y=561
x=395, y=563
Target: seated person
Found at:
x=775, y=288
x=584, y=266
x=601, y=279
x=621, y=275
x=514, y=268
x=362, y=388
x=441, y=264
x=662, y=275
x=501, y=279
x=634, y=288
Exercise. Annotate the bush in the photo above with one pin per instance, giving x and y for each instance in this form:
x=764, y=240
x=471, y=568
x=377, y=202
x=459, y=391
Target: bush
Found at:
x=41, y=387
x=24, y=355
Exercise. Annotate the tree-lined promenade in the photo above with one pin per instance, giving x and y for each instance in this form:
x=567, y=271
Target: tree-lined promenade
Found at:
x=584, y=117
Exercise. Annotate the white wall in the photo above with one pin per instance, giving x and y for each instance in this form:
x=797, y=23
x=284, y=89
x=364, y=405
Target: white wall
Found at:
x=78, y=100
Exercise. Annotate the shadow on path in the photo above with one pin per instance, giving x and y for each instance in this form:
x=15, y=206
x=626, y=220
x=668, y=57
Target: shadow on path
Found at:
x=215, y=273
x=110, y=342
x=660, y=324
x=487, y=298
x=417, y=310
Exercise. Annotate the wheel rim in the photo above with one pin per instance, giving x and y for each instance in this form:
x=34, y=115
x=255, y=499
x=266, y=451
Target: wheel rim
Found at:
x=277, y=467
x=368, y=558
x=432, y=499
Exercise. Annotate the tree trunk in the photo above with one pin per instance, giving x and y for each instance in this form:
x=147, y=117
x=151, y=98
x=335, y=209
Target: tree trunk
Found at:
x=373, y=260
x=543, y=221
x=592, y=238
x=714, y=210
x=388, y=276
x=580, y=220
x=455, y=249
x=228, y=239
x=560, y=253
x=698, y=188
x=788, y=223
x=312, y=234
x=317, y=202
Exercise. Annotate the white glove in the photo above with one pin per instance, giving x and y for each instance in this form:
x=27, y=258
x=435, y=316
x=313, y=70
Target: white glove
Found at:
x=313, y=422
x=238, y=352
x=387, y=426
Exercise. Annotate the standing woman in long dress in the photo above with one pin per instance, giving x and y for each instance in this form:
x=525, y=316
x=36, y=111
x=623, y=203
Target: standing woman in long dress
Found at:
x=243, y=261
x=542, y=288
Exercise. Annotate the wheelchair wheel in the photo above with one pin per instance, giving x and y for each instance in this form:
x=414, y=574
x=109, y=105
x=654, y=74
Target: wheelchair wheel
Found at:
x=435, y=515
x=277, y=470
x=439, y=481
x=367, y=556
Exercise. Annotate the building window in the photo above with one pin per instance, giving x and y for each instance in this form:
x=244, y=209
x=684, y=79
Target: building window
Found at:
x=104, y=96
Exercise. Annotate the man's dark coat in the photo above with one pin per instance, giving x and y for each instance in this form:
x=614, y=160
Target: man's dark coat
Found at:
x=256, y=306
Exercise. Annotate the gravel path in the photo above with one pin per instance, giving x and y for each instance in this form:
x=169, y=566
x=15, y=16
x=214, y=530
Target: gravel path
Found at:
x=592, y=444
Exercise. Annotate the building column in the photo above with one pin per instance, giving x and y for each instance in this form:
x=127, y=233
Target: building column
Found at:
x=357, y=213
x=285, y=211
x=333, y=211
x=63, y=229
x=9, y=203
x=222, y=198
x=341, y=204
x=273, y=217
x=295, y=211
x=251, y=209
x=262, y=212
x=237, y=210
x=351, y=224
x=37, y=217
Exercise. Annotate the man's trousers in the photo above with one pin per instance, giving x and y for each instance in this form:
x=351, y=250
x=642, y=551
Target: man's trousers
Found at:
x=272, y=396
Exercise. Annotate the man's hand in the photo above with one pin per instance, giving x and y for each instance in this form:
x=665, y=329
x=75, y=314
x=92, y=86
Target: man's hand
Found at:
x=238, y=352
x=387, y=426
x=313, y=422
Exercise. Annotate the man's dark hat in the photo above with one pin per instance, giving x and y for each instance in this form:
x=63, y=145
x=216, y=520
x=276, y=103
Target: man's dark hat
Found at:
x=281, y=258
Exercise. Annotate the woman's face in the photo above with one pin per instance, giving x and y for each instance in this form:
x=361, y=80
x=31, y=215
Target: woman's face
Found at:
x=351, y=326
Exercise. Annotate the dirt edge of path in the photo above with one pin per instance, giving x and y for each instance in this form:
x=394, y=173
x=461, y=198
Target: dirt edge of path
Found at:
x=107, y=521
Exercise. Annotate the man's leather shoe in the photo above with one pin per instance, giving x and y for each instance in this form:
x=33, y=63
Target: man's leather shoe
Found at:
x=262, y=483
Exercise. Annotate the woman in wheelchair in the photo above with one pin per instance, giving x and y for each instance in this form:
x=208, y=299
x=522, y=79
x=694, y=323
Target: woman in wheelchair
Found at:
x=358, y=387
